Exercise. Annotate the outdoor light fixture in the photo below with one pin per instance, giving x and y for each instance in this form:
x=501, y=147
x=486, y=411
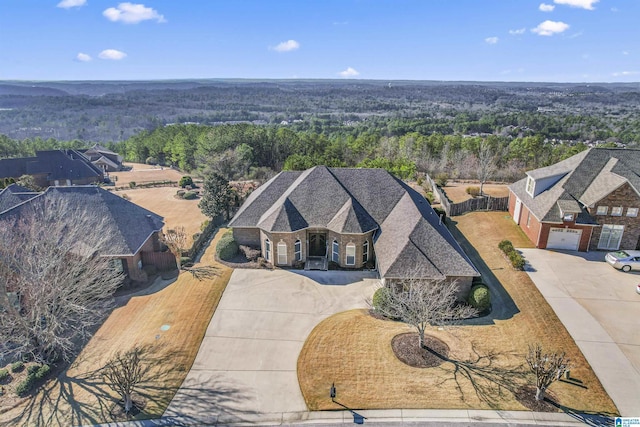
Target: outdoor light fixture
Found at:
x=332, y=392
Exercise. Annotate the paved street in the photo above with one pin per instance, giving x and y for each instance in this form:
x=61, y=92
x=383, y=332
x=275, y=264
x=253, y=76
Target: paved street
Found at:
x=600, y=309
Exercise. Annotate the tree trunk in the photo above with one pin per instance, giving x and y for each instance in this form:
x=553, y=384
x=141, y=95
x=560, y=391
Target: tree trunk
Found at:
x=421, y=338
x=540, y=393
x=481, y=187
x=128, y=403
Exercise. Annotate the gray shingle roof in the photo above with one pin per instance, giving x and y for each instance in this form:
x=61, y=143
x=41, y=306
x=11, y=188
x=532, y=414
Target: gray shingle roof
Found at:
x=589, y=176
x=56, y=164
x=125, y=225
x=358, y=201
x=13, y=195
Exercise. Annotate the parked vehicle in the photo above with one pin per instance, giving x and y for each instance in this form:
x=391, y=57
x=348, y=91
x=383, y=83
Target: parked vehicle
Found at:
x=638, y=288
x=624, y=260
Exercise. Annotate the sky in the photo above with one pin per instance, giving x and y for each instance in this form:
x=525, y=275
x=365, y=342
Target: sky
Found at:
x=471, y=40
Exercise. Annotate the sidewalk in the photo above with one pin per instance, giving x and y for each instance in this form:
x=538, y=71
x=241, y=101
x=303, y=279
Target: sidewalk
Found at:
x=392, y=417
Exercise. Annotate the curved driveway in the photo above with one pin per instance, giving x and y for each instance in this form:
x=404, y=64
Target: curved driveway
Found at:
x=246, y=365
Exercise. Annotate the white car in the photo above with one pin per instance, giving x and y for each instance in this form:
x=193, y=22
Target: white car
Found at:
x=624, y=260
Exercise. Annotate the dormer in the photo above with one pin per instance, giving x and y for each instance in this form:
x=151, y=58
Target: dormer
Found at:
x=539, y=181
x=569, y=210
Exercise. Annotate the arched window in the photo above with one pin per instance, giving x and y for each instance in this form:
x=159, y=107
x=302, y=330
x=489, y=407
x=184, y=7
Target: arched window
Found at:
x=282, y=253
x=335, y=252
x=365, y=252
x=267, y=249
x=351, y=254
x=297, y=249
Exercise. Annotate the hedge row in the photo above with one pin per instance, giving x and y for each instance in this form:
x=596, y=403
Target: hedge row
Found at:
x=517, y=261
x=36, y=373
x=227, y=247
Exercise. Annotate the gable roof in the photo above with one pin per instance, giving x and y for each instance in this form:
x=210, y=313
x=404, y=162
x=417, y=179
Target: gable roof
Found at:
x=586, y=178
x=13, y=195
x=123, y=225
x=358, y=201
x=55, y=164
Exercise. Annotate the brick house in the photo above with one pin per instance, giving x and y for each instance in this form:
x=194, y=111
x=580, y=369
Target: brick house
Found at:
x=353, y=217
x=103, y=158
x=130, y=233
x=589, y=201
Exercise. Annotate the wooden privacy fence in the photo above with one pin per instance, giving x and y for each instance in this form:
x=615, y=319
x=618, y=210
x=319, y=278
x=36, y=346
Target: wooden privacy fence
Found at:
x=163, y=261
x=487, y=203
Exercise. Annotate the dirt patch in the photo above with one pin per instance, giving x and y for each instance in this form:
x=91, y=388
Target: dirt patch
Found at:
x=143, y=174
x=456, y=191
x=526, y=395
x=117, y=410
x=406, y=348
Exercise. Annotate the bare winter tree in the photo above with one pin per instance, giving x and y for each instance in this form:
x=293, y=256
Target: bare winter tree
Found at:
x=422, y=303
x=176, y=240
x=54, y=285
x=547, y=367
x=487, y=162
x=124, y=372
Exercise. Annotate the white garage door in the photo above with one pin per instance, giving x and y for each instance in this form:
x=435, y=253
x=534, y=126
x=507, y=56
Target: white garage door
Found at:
x=564, y=238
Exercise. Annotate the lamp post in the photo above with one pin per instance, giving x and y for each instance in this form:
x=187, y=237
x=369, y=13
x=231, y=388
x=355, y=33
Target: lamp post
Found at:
x=332, y=392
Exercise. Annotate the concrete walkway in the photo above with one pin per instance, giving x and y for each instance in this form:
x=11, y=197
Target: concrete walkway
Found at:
x=599, y=307
x=247, y=363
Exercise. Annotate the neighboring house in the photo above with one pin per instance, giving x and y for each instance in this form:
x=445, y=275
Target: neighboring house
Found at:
x=103, y=158
x=354, y=217
x=131, y=234
x=586, y=202
x=53, y=168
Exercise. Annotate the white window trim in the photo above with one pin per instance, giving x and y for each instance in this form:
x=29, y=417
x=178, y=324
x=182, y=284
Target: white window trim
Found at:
x=531, y=186
x=350, y=246
x=528, y=219
x=297, y=250
x=632, y=212
x=267, y=249
x=619, y=212
x=605, y=210
x=335, y=251
x=568, y=217
x=282, y=253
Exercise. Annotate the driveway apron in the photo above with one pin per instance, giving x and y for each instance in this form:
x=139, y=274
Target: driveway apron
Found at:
x=246, y=364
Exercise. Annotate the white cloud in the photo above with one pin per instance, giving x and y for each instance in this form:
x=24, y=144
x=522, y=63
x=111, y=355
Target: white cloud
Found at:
x=130, y=13
x=517, y=32
x=287, y=46
x=625, y=73
x=582, y=4
x=491, y=40
x=549, y=28
x=546, y=7
x=68, y=4
x=349, y=72
x=625, y=52
x=112, y=54
x=83, y=57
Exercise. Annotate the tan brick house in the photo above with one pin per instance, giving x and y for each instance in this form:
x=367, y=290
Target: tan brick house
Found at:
x=589, y=201
x=353, y=217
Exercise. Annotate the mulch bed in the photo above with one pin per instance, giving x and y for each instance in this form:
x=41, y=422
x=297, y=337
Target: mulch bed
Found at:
x=405, y=347
x=526, y=395
x=117, y=410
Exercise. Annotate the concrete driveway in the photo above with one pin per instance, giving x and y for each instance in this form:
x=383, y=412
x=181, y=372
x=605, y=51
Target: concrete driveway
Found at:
x=246, y=365
x=601, y=310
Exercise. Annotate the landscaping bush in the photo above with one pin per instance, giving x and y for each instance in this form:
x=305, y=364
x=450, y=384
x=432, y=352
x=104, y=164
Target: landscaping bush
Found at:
x=180, y=193
x=42, y=372
x=151, y=161
x=479, y=297
x=33, y=369
x=420, y=180
x=25, y=385
x=185, y=260
x=442, y=179
x=517, y=260
x=185, y=180
x=379, y=303
x=250, y=253
x=430, y=197
x=227, y=247
x=204, y=224
x=473, y=191
x=190, y=195
x=17, y=367
x=132, y=184
x=4, y=374
x=506, y=246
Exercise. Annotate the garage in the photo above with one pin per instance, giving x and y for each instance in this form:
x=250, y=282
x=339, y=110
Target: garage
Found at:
x=564, y=238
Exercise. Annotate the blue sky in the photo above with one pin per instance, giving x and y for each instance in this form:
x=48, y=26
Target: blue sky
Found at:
x=485, y=40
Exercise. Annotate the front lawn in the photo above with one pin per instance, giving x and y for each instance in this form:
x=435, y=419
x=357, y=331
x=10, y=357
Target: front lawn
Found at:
x=353, y=349
x=171, y=321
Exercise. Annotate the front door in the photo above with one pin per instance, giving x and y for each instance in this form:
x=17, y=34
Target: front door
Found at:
x=317, y=244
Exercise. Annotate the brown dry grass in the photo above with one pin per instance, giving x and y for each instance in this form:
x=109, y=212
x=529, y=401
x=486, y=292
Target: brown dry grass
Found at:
x=176, y=212
x=456, y=191
x=79, y=396
x=141, y=173
x=353, y=349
